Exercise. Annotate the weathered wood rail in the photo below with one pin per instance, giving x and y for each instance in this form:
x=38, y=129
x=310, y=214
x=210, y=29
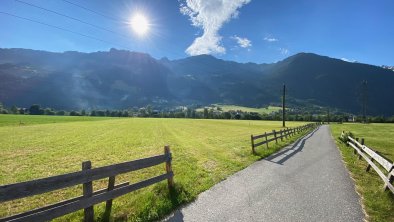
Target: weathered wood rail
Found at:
x=89, y=198
x=373, y=157
x=276, y=135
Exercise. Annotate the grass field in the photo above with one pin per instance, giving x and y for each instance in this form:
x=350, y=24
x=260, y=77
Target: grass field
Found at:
x=23, y=120
x=379, y=205
x=204, y=153
x=226, y=108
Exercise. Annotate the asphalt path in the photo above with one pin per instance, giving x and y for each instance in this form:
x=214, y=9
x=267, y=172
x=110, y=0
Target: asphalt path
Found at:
x=305, y=181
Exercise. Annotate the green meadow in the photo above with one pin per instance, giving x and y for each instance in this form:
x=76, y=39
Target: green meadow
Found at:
x=205, y=152
x=379, y=205
x=23, y=120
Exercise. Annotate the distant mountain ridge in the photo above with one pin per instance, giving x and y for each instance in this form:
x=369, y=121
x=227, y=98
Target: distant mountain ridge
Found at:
x=120, y=79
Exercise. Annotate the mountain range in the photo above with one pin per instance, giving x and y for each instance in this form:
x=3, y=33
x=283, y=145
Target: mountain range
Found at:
x=118, y=79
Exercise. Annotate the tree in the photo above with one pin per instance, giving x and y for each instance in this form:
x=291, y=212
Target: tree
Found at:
x=100, y=113
x=35, y=109
x=227, y=115
x=14, y=109
x=83, y=112
x=3, y=110
x=205, y=113
x=49, y=111
x=60, y=113
x=125, y=114
x=210, y=114
x=74, y=113
x=149, y=110
x=114, y=113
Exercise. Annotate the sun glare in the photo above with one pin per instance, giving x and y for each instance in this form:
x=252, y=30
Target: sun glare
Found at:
x=140, y=24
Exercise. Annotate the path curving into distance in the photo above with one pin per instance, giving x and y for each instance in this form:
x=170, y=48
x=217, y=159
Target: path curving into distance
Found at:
x=305, y=181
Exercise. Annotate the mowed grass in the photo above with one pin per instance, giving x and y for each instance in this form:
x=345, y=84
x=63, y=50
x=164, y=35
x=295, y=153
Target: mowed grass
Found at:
x=379, y=205
x=204, y=153
x=22, y=120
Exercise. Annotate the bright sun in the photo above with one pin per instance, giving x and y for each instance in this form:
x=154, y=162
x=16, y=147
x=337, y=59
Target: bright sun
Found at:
x=140, y=24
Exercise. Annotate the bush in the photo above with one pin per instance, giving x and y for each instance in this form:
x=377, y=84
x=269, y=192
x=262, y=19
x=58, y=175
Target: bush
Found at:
x=61, y=113
x=74, y=113
x=345, y=137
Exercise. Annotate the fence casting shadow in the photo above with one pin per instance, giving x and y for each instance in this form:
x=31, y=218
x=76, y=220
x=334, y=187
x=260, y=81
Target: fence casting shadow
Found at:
x=297, y=147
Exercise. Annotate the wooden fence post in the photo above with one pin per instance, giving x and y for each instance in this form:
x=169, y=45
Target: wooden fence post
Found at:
x=276, y=138
x=170, y=180
x=252, y=141
x=87, y=192
x=369, y=166
x=390, y=177
x=355, y=151
x=281, y=136
x=266, y=139
x=362, y=143
x=108, y=204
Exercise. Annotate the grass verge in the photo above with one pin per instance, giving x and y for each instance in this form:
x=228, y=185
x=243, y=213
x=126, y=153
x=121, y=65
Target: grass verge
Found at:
x=379, y=205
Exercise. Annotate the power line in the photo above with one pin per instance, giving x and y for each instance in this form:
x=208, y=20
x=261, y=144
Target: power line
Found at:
x=73, y=18
x=95, y=12
x=63, y=29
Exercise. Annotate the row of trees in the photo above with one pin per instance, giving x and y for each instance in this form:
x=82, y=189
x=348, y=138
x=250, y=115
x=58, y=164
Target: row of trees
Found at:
x=185, y=112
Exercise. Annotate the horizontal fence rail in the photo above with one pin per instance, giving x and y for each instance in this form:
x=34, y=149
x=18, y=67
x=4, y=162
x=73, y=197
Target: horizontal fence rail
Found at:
x=373, y=157
x=85, y=177
x=281, y=134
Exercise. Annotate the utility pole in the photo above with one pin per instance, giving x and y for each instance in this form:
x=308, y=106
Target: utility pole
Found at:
x=284, y=106
x=364, y=98
x=328, y=115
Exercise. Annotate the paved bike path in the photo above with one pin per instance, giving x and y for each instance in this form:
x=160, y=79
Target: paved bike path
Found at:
x=305, y=181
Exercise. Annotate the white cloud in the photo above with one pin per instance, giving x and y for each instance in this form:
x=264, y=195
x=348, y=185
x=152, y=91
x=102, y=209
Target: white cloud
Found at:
x=284, y=51
x=210, y=15
x=242, y=42
x=271, y=39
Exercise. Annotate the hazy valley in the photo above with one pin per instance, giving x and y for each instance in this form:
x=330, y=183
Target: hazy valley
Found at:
x=118, y=79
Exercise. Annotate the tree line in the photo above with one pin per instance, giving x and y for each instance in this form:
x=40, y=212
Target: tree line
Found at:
x=205, y=113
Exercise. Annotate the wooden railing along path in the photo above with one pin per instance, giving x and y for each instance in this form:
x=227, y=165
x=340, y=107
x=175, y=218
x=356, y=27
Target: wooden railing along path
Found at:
x=373, y=157
x=275, y=135
x=89, y=198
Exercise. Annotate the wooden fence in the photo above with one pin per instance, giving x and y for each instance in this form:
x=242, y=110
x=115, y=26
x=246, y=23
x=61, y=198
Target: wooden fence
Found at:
x=281, y=134
x=85, y=177
x=371, y=157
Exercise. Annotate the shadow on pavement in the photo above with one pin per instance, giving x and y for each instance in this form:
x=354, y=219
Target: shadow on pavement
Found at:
x=297, y=147
x=177, y=217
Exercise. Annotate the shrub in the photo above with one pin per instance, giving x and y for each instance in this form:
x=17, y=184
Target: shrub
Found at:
x=345, y=136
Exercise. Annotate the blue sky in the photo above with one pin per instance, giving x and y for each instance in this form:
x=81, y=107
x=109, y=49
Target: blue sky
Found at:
x=261, y=31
